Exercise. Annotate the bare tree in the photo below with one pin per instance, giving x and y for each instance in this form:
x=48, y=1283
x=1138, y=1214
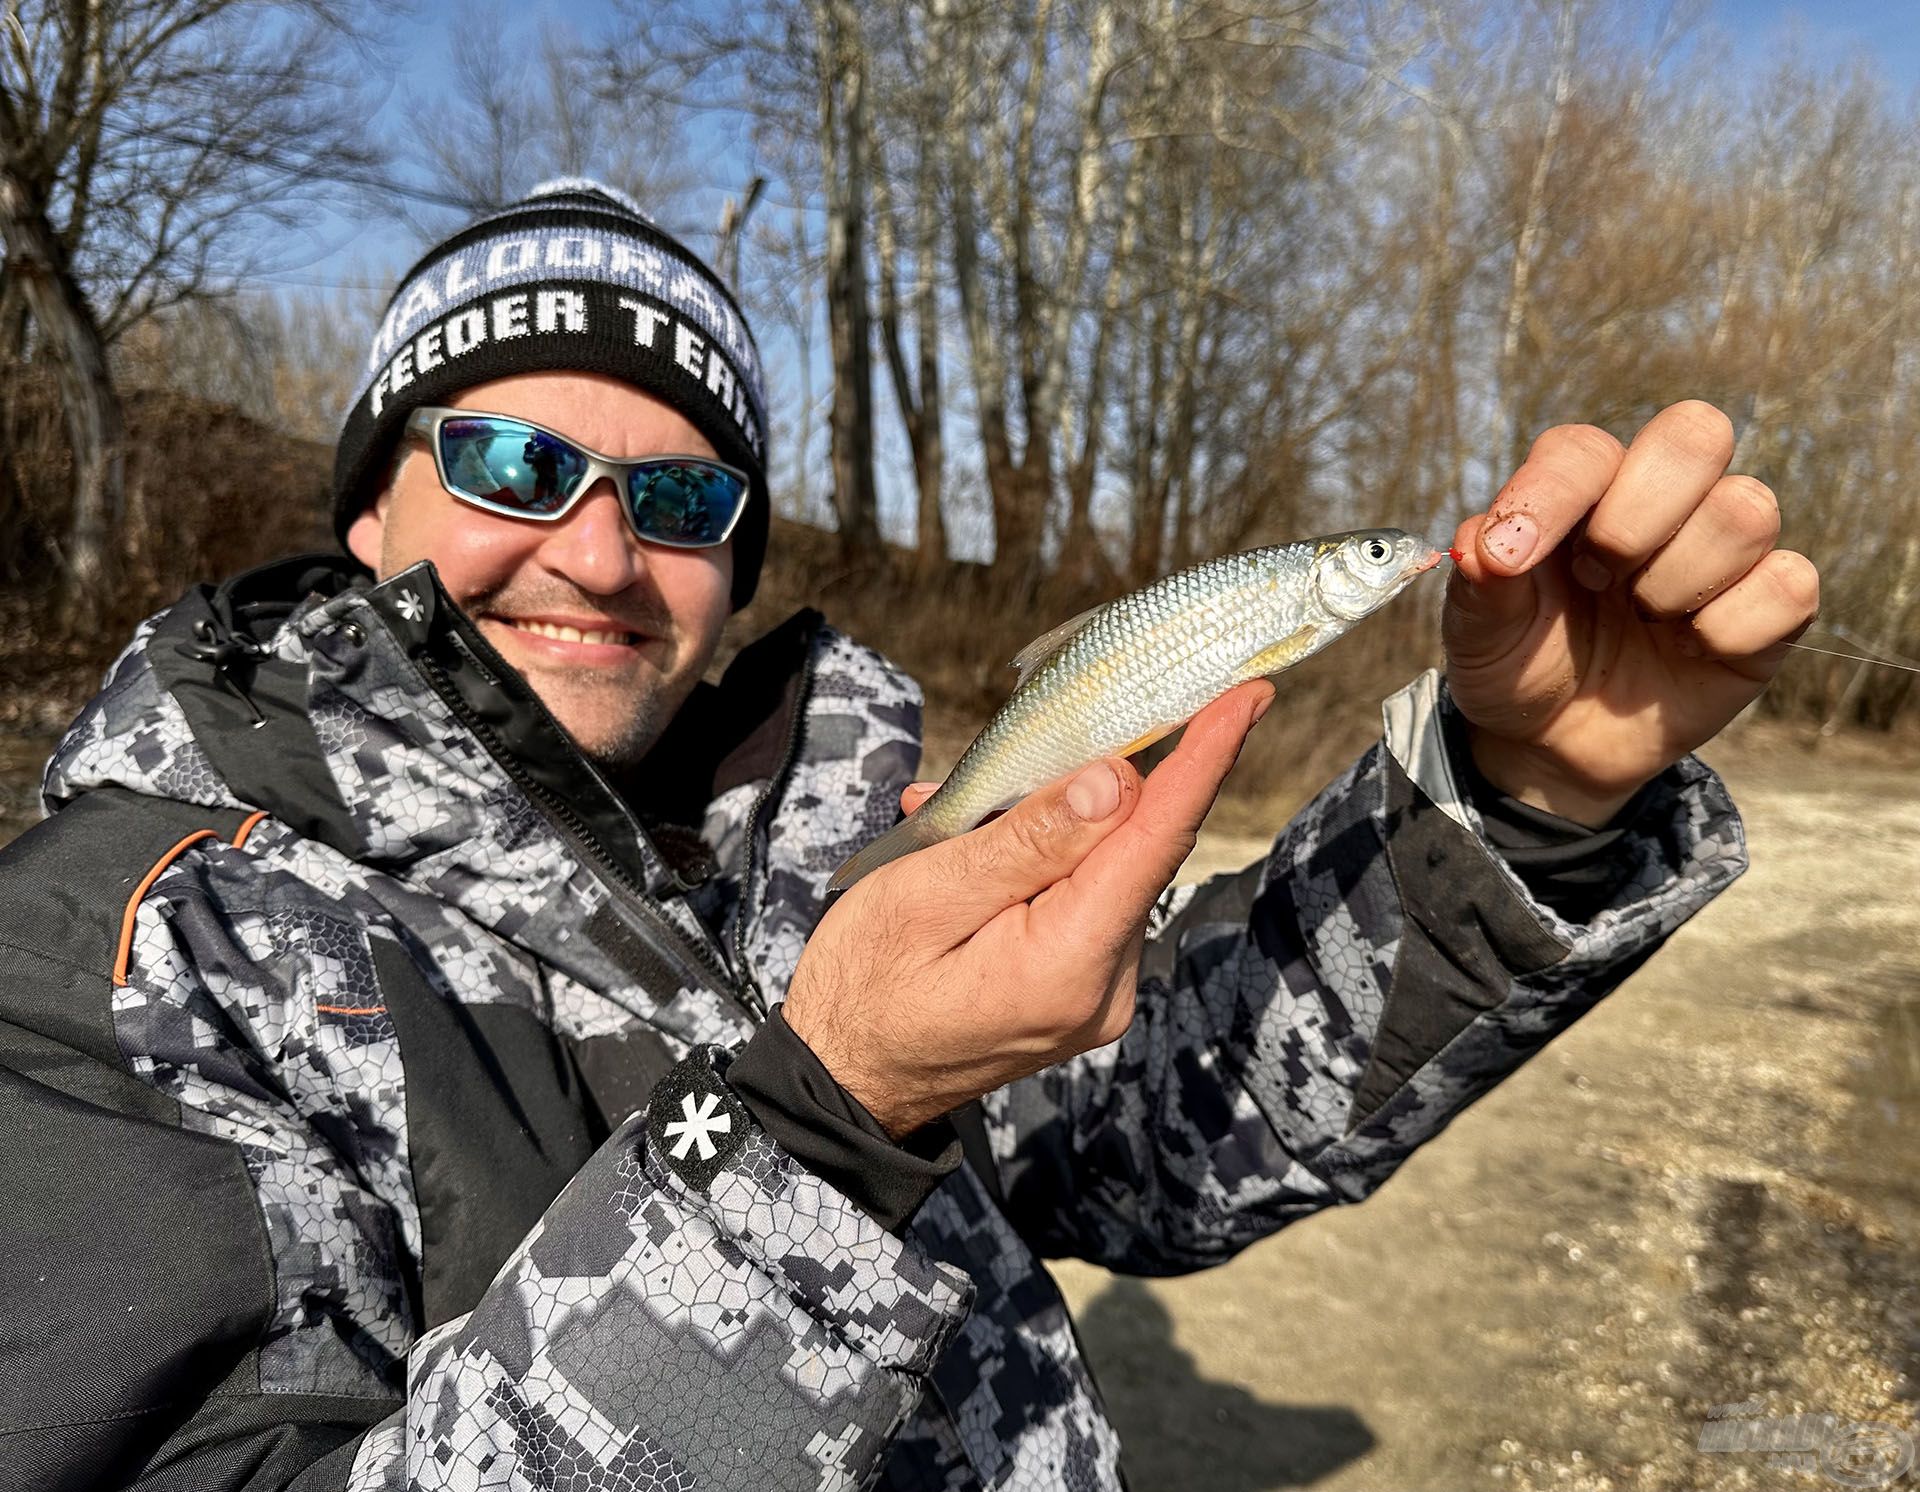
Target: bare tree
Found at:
x=517, y=114
x=841, y=66
x=917, y=389
x=801, y=71
x=288, y=359
x=1185, y=274
x=138, y=138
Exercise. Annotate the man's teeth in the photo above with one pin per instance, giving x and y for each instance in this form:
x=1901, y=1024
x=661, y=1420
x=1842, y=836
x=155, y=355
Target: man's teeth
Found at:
x=572, y=634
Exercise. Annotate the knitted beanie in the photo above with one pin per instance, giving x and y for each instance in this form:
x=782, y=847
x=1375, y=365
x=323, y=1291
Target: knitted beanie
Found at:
x=574, y=277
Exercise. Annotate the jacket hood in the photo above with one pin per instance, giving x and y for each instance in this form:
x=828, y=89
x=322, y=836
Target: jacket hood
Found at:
x=225, y=648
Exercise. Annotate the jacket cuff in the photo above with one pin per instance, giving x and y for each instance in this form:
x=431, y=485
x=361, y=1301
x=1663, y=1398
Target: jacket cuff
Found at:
x=1673, y=847
x=887, y=1299
x=1484, y=970
x=1571, y=868
x=805, y=1111
x=694, y=1300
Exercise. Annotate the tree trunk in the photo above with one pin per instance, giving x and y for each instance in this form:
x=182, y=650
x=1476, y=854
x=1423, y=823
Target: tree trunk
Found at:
x=71, y=336
x=919, y=410
x=14, y=321
x=1507, y=449
x=1149, y=493
x=842, y=67
x=985, y=361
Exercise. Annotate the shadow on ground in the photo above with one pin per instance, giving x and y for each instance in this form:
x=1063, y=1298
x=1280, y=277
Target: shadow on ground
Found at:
x=1185, y=1431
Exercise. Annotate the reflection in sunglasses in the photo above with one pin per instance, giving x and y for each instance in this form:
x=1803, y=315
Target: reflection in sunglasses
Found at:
x=514, y=466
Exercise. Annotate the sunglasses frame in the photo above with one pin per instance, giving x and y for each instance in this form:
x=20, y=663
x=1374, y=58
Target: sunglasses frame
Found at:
x=426, y=421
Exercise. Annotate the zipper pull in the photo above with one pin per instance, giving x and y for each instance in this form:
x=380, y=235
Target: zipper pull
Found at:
x=751, y=994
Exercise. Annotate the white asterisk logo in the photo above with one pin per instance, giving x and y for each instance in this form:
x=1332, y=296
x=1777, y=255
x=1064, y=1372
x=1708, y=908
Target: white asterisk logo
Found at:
x=699, y=1124
x=410, y=607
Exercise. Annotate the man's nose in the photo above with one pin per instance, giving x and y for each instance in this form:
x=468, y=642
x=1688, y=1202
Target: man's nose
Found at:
x=594, y=546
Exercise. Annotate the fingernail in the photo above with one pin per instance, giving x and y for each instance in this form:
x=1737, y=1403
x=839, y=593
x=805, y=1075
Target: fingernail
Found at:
x=1511, y=541
x=1095, y=793
x=1261, y=709
x=1591, y=573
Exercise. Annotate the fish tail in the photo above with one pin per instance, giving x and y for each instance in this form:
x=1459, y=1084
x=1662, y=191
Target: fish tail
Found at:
x=915, y=832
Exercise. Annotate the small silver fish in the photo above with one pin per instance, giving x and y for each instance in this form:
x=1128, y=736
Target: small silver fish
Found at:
x=1116, y=679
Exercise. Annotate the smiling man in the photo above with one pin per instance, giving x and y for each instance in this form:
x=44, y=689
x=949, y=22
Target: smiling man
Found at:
x=426, y=1059
x=612, y=637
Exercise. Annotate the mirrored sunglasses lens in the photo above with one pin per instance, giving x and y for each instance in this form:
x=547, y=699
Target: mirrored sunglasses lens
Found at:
x=685, y=503
x=510, y=464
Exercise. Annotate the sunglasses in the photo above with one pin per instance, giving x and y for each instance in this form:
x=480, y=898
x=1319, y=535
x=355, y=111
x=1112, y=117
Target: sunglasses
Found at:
x=524, y=470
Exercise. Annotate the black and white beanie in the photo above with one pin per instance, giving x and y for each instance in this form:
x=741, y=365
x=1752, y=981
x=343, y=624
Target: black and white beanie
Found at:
x=577, y=277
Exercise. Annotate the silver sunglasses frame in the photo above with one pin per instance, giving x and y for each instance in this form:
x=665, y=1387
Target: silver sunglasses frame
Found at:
x=427, y=420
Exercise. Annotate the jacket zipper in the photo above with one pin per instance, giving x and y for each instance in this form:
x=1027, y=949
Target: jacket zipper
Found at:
x=587, y=846
x=796, y=729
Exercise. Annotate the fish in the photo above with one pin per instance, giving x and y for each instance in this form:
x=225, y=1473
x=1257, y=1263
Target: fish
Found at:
x=1122, y=675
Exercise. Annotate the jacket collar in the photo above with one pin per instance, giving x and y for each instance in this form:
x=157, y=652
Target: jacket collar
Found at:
x=376, y=718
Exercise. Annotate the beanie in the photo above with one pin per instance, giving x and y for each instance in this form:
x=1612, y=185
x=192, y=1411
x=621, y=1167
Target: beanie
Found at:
x=574, y=277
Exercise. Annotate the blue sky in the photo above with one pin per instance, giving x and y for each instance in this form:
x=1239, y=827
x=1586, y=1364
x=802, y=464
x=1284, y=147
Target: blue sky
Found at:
x=1888, y=31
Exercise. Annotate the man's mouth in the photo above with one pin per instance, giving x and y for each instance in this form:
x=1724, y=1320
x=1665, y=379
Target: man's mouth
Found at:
x=560, y=632
x=581, y=632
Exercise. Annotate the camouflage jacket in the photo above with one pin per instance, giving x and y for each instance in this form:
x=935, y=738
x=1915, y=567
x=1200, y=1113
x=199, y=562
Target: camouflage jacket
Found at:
x=365, y=1063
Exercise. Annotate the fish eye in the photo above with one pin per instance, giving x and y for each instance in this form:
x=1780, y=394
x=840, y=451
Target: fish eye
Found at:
x=1377, y=551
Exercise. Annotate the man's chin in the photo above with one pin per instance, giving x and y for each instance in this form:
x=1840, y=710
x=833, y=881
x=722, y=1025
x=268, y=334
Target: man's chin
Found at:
x=613, y=700
x=612, y=743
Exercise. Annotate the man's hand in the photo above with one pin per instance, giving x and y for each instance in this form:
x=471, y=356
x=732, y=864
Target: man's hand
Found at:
x=982, y=959
x=1615, y=609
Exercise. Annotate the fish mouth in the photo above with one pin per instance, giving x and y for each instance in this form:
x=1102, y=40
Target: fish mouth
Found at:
x=1407, y=577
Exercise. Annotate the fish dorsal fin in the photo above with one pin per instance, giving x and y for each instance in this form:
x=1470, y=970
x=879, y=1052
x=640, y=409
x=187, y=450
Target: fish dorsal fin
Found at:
x=1050, y=642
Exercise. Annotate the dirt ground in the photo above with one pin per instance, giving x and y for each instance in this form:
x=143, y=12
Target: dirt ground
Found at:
x=1703, y=1195
x=1706, y=1194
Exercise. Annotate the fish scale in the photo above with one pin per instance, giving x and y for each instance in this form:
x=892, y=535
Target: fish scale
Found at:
x=1135, y=669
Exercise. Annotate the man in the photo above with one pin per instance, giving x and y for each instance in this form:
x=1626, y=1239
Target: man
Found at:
x=396, y=1079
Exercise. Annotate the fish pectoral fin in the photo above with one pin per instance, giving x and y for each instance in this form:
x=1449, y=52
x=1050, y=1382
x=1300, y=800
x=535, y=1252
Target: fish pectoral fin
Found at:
x=1048, y=643
x=1288, y=651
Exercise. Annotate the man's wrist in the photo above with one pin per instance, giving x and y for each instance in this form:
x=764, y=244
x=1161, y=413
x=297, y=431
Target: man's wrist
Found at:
x=805, y=1109
x=858, y=1083
x=1541, y=779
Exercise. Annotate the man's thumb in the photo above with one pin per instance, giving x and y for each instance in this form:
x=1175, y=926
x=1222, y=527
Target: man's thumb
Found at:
x=1040, y=840
x=1482, y=605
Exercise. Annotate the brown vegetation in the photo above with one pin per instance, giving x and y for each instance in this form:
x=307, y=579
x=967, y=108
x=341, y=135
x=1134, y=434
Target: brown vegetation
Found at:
x=138, y=140
x=208, y=492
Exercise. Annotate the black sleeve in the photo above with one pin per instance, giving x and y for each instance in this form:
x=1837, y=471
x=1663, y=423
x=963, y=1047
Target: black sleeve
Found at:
x=793, y=1097
x=1567, y=866
x=139, y=1289
x=139, y=1280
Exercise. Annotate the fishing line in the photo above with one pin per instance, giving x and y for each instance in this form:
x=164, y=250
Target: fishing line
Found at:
x=1807, y=647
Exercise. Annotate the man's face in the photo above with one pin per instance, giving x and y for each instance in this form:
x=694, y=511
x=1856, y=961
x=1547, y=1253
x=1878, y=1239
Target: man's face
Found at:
x=654, y=613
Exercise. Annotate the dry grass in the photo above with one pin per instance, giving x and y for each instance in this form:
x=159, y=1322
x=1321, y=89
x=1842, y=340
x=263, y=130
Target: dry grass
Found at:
x=209, y=492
